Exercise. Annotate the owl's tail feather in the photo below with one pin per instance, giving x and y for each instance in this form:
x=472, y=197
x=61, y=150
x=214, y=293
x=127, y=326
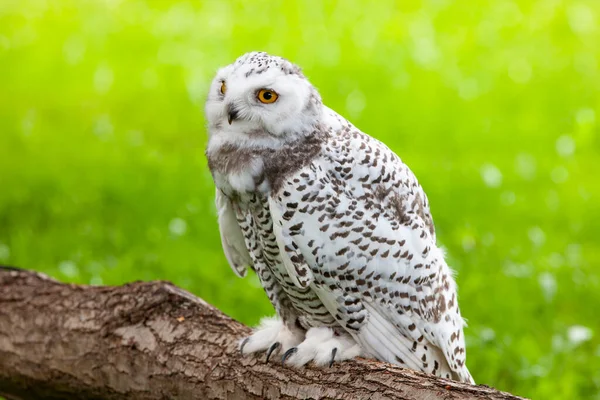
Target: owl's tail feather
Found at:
x=384, y=341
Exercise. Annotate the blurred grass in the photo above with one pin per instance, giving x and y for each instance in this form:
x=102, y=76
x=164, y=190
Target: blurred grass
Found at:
x=493, y=104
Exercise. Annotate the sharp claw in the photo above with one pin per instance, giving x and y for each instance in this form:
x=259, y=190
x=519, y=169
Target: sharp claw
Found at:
x=273, y=347
x=333, y=353
x=287, y=354
x=243, y=344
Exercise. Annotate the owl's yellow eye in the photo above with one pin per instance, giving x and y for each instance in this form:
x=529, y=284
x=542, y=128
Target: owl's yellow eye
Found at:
x=267, y=96
x=223, y=87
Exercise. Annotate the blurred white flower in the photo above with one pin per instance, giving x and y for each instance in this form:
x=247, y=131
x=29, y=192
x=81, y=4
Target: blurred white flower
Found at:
x=578, y=334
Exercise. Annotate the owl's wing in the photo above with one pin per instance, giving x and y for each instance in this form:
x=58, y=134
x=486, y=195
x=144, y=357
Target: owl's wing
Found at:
x=355, y=225
x=232, y=238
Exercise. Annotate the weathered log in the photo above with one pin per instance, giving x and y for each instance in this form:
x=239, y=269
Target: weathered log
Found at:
x=152, y=340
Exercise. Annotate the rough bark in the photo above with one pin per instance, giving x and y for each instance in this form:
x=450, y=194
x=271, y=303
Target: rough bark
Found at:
x=152, y=340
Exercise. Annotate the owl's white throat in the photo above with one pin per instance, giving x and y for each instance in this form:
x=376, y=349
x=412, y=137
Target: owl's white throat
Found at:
x=247, y=177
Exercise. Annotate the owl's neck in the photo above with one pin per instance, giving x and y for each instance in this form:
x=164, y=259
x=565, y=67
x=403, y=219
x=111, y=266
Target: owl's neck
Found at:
x=247, y=166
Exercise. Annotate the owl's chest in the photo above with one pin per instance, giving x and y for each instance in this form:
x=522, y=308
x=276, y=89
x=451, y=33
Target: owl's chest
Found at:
x=254, y=219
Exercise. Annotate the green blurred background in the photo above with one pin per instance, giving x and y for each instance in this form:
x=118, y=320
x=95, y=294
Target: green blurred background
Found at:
x=494, y=104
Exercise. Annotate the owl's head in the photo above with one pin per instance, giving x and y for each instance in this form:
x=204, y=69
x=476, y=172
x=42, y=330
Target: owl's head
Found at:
x=260, y=94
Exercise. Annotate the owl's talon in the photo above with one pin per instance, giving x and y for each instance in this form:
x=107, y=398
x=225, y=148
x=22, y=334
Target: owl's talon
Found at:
x=273, y=347
x=333, y=353
x=244, y=342
x=288, y=354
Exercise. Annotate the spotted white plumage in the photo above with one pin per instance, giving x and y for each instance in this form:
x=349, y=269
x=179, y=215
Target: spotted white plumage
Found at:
x=337, y=228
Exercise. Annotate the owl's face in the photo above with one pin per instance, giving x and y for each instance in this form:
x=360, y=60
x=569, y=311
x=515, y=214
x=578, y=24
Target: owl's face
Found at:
x=263, y=95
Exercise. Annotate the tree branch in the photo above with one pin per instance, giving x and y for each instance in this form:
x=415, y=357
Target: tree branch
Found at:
x=152, y=340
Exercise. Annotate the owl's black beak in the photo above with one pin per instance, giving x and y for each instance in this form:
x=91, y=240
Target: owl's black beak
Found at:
x=232, y=113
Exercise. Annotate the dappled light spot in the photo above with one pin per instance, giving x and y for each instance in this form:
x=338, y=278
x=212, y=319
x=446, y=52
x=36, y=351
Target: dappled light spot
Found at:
x=178, y=227
x=4, y=252
x=506, y=13
x=574, y=255
x=197, y=85
x=468, y=89
x=555, y=260
x=584, y=193
x=103, y=79
x=536, y=236
x=487, y=334
x=525, y=166
x=68, y=268
x=468, y=242
x=565, y=146
x=103, y=127
x=4, y=43
x=330, y=53
x=552, y=200
x=586, y=116
x=581, y=19
x=28, y=122
x=548, y=285
x=559, y=174
x=425, y=49
x=74, y=49
x=425, y=52
x=585, y=63
x=491, y=175
x=508, y=198
x=517, y=270
x=488, y=239
x=96, y=280
x=533, y=371
x=355, y=103
x=150, y=78
x=135, y=138
x=520, y=71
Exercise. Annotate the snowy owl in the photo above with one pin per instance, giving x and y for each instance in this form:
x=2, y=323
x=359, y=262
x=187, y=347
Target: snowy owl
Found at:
x=334, y=224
